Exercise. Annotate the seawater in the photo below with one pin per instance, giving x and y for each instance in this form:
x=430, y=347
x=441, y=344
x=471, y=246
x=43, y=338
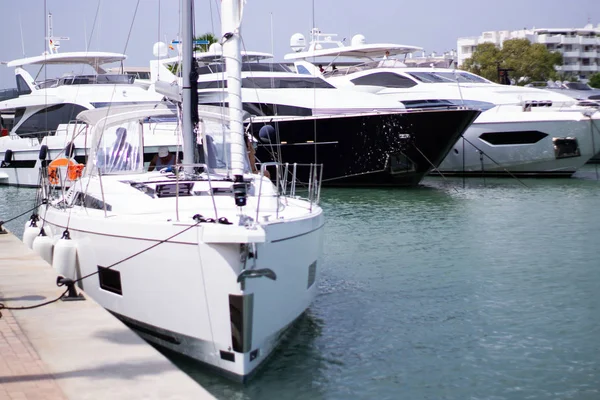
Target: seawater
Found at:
x=474, y=289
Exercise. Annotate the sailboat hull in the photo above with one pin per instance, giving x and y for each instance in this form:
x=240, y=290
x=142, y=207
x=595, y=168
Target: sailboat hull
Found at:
x=375, y=149
x=185, y=295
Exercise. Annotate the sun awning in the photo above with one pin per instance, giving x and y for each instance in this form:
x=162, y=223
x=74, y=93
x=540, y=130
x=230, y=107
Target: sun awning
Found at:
x=94, y=58
x=372, y=51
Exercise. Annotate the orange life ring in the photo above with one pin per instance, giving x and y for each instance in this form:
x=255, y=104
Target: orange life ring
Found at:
x=74, y=170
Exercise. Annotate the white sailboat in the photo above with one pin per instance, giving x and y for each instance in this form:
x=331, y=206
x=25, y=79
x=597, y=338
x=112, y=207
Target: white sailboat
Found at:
x=210, y=260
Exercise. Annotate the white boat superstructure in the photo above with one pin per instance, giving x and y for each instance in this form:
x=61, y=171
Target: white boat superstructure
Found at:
x=522, y=130
x=209, y=259
x=33, y=116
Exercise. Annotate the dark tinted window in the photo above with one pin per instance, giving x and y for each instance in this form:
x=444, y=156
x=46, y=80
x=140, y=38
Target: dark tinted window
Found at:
x=263, y=109
x=286, y=83
x=508, y=138
x=429, y=77
x=385, y=79
x=462, y=77
x=18, y=115
x=7, y=94
x=272, y=83
x=247, y=66
x=577, y=86
x=212, y=85
x=22, y=86
x=40, y=123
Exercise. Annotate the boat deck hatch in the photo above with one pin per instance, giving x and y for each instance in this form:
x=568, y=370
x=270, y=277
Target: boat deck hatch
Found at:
x=174, y=189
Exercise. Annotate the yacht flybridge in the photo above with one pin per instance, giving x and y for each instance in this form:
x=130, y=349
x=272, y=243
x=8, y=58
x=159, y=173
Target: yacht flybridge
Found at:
x=35, y=117
x=526, y=131
x=361, y=138
x=206, y=258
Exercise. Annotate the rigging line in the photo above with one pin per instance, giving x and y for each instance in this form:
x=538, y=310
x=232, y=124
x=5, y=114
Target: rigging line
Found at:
x=433, y=166
x=158, y=41
x=3, y=307
x=212, y=336
x=592, y=126
x=212, y=22
x=494, y=161
x=45, y=67
x=20, y=215
x=314, y=93
x=463, y=160
x=140, y=252
x=89, y=41
x=87, y=44
x=131, y=26
x=22, y=38
x=255, y=87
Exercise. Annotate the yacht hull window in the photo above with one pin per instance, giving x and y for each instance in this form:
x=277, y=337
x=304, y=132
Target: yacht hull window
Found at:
x=565, y=147
x=511, y=138
x=46, y=121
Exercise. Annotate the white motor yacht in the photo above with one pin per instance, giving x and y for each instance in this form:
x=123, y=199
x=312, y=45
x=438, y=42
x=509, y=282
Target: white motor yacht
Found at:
x=209, y=259
x=525, y=131
x=361, y=138
x=35, y=115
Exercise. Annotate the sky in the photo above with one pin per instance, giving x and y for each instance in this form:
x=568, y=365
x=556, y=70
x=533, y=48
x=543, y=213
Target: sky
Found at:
x=268, y=25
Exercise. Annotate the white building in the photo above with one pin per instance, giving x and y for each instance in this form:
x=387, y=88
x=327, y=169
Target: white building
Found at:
x=580, y=47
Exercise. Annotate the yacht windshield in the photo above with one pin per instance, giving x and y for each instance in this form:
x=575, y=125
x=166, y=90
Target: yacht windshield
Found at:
x=106, y=79
x=216, y=141
x=577, y=86
x=119, y=149
x=429, y=77
x=246, y=67
x=461, y=76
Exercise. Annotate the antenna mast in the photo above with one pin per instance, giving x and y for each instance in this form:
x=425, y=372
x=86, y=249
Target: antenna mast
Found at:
x=53, y=42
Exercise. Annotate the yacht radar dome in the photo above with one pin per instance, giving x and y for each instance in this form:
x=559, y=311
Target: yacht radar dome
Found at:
x=160, y=49
x=358, y=40
x=297, y=42
x=215, y=48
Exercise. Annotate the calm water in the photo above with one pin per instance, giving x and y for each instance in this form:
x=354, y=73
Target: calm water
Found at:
x=491, y=291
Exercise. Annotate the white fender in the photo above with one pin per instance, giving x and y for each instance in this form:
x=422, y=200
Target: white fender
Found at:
x=29, y=234
x=43, y=245
x=64, y=259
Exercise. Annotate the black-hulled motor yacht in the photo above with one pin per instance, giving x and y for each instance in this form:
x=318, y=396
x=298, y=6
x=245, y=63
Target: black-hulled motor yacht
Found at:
x=361, y=138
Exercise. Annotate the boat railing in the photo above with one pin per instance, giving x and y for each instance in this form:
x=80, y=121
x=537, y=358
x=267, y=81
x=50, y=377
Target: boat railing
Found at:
x=387, y=63
x=294, y=180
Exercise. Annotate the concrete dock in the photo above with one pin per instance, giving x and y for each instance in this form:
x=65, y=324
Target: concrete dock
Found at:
x=76, y=349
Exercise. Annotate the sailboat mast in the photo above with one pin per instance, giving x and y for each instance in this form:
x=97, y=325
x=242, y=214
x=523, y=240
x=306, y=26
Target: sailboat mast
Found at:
x=231, y=18
x=187, y=20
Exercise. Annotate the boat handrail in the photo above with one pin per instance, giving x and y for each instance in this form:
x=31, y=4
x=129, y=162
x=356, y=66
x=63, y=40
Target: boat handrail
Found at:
x=389, y=63
x=289, y=186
